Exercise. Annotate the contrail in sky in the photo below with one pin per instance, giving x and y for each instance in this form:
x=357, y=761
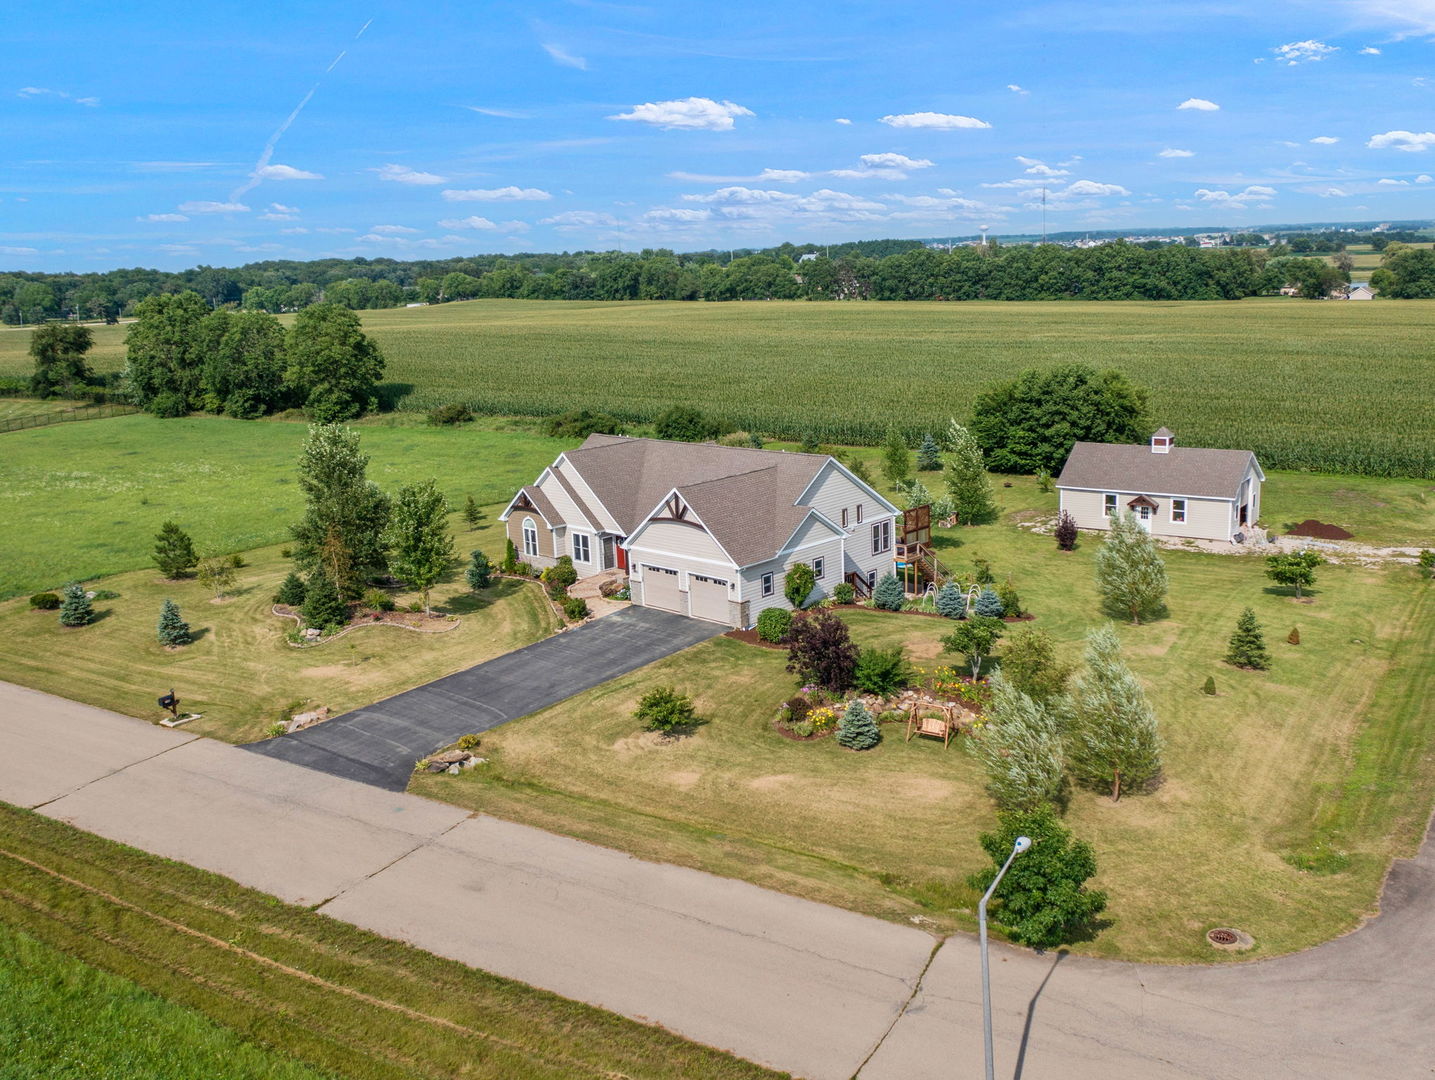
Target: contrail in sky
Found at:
x=268, y=151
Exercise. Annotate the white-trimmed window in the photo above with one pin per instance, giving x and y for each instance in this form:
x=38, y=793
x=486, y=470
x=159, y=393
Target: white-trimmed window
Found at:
x=768, y=587
x=530, y=538
x=844, y=517
x=1108, y=505
x=859, y=513
x=882, y=537
x=819, y=567
x=1178, y=510
x=582, y=551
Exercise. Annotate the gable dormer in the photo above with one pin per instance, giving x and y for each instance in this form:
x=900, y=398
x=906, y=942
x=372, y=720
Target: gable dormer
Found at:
x=1162, y=441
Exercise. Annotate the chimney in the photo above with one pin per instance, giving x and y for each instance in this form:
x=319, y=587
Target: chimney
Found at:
x=1162, y=441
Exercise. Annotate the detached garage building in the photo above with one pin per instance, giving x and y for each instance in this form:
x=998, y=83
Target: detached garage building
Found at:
x=703, y=530
x=1172, y=490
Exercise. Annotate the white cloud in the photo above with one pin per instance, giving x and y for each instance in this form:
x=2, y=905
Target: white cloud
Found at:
x=741, y=195
x=285, y=172
x=687, y=114
x=1303, y=52
x=506, y=114
x=1255, y=193
x=201, y=206
x=397, y=230
x=580, y=219
x=402, y=174
x=842, y=120
x=939, y=121
x=778, y=176
x=1091, y=187
x=503, y=194
x=295, y=230
x=19, y=251
x=1393, y=183
x=1042, y=169
x=280, y=208
x=1370, y=50
x=1409, y=141
x=1199, y=104
x=562, y=56
x=163, y=217
x=1333, y=193
x=681, y=214
x=1170, y=152
x=1424, y=178
x=270, y=216
x=1325, y=140
x=783, y=176
x=894, y=161
x=474, y=222
x=1015, y=89
x=45, y=91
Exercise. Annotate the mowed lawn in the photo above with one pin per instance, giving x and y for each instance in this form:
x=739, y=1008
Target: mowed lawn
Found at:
x=82, y=500
x=1329, y=751
x=1338, y=387
x=62, y=1018
x=240, y=673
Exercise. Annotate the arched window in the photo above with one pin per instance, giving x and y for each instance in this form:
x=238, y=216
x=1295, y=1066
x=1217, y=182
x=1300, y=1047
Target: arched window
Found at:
x=530, y=538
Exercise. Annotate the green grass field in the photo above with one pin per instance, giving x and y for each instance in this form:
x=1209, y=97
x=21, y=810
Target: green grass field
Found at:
x=240, y=673
x=1330, y=749
x=81, y=500
x=302, y=986
x=62, y=1018
x=1332, y=387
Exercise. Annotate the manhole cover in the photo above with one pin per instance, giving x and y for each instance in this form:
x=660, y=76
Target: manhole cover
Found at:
x=1224, y=937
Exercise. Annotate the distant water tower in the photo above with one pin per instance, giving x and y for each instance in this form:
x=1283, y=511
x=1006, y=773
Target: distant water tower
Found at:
x=984, y=229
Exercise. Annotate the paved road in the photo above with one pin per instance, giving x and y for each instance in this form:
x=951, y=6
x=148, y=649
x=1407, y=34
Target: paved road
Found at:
x=821, y=992
x=379, y=744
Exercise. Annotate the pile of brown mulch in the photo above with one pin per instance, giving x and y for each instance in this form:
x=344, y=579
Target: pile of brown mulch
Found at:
x=1319, y=530
x=751, y=638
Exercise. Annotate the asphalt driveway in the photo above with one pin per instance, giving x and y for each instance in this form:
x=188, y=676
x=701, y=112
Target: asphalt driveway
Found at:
x=379, y=744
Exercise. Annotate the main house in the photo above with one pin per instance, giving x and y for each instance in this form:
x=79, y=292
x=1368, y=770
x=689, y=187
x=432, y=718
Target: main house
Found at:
x=703, y=530
x=1173, y=491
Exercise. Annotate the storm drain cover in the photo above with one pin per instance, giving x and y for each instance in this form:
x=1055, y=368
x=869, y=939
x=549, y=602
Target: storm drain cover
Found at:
x=1224, y=937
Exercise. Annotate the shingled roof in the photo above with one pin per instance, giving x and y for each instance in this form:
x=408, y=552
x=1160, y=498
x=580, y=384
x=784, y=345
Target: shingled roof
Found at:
x=1182, y=470
x=747, y=498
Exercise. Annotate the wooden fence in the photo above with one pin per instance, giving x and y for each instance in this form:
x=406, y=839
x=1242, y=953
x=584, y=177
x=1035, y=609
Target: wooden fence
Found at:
x=64, y=416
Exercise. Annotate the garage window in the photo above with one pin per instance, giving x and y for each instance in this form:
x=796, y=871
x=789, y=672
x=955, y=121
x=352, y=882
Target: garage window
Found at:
x=819, y=566
x=767, y=585
x=581, y=549
x=530, y=539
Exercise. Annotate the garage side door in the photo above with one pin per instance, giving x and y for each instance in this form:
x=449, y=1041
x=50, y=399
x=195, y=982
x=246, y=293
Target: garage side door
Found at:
x=660, y=589
x=709, y=598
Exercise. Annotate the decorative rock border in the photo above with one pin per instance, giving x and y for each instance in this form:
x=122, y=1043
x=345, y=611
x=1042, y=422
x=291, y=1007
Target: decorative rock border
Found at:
x=274, y=610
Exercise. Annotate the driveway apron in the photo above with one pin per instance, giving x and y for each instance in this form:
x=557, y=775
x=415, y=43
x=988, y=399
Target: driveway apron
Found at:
x=379, y=744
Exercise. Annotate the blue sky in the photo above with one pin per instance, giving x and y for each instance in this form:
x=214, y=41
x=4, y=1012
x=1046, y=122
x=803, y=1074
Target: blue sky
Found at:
x=155, y=135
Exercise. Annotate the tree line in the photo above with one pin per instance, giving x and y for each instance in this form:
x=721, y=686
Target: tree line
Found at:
x=875, y=270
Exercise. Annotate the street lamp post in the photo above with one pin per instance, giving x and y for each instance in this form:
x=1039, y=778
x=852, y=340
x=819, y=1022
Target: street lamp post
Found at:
x=1022, y=843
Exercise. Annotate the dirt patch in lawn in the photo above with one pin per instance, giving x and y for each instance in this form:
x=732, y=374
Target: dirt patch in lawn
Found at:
x=640, y=742
x=1319, y=530
x=685, y=779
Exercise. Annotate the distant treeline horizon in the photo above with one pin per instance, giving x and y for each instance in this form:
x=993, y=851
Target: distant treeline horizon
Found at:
x=858, y=270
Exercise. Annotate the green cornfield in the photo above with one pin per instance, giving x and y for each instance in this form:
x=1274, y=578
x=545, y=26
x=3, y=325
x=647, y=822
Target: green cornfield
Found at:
x=1330, y=386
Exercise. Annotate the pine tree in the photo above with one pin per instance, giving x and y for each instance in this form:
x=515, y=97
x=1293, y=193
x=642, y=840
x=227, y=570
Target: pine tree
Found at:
x=345, y=514
x=1011, y=600
x=857, y=730
x=291, y=592
x=471, y=513
x=510, y=557
x=889, y=594
x=967, y=481
x=172, y=630
x=1020, y=748
x=896, y=459
x=951, y=602
x=1065, y=531
x=1114, y=741
x=989, y=604
x=1294, y=636
x=1129, y=571
x=479, y=572
x=1248, y=644
x=1209, y=687
x=323, y=605
x=76, y=609
x=173, y=550
x=929, y=454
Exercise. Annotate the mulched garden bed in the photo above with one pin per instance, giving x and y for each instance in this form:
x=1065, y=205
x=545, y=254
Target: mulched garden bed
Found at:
x=1319, y=530
x=751, y=638
x=792, y=736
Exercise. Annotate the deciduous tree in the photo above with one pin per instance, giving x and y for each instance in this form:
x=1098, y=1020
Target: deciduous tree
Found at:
x=1020, y=748
x=1129, y=571
x=1029, y=662
x=1114, y=741
x=421, y=549
x=821, y=651
x=58, y=350
x=345, y=515
x=333, y=367
x=1296, y=568
x=975, y=638
x=797, y=584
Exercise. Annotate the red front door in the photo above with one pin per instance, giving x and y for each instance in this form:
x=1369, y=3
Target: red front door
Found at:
x=622, y=557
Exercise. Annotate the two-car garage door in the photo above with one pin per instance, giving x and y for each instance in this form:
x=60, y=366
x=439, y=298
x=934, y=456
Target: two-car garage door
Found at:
x=706, y=595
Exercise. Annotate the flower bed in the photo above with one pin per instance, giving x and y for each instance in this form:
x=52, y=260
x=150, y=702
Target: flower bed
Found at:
x=812, y=713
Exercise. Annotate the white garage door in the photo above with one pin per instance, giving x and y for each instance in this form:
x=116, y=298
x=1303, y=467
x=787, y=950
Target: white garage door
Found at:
x=660, y=589
x=709, y=598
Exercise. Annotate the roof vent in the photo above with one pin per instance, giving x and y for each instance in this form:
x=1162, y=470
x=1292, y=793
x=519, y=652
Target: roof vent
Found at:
x=1162, y=441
